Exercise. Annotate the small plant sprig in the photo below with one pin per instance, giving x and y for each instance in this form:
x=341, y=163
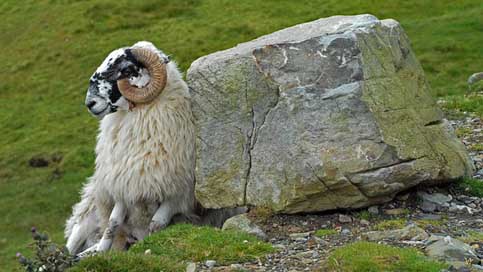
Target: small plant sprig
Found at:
x=48, y=256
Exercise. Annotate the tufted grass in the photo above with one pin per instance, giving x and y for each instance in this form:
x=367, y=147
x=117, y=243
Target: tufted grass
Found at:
x=51, y=47
x=470, y=186
x=373, y=257
x=172, y=248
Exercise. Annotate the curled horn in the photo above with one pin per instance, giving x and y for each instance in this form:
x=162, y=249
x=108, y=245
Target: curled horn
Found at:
x=157, y=72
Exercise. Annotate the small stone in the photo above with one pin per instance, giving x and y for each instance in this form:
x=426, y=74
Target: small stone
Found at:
x=395, y=211
x=295, y=236
x=279, y=246
x=147, y=252
x=243, y=223
x=236, y=267
x=428, y=206
x=477, y=267
x=373, y=210
x=410, y=232
x=345, y=232
x=345, y=218
x=364, y=222
x=429, y=216
x=446, y=248
x=472, y=205
x=403, y=197
x=191, y=267
x=210, y=263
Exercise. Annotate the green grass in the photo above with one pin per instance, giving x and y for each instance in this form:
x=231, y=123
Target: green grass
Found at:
x=325, y=232
x=368, y=257
x=471, y=186
x=172, y=248
x=399, y=223
x=473, y=236
x=51, y=47
x=128, y=262
x=391, y=224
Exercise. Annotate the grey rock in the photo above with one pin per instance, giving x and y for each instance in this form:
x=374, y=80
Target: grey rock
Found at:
x=434, y=202
x=373, y=210
x=446, y=248
x=210, y=263
x=191, y=267
x=397, y=211
x=299, y=235
x=345, y=218
x=364, y=222
x=477, y=267
x=426, y=216
x=428, y=206
x=242, y=223
x=330, y=114
x=410, y=232
x=237, y=267
x=345, y=232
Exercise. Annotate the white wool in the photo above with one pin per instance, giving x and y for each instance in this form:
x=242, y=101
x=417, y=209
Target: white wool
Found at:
x=144, y=157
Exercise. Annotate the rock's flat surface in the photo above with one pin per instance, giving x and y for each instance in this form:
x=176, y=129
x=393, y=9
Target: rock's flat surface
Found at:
x=242, y=223
x=410, y=232
x=450, y=250
x=334, y=113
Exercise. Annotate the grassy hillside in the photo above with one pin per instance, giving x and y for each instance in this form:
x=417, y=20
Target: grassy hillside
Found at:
x=49, y=49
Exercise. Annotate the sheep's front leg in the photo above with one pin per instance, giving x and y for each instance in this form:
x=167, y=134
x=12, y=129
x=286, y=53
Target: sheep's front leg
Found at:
x=115, y=221
x=163, y=216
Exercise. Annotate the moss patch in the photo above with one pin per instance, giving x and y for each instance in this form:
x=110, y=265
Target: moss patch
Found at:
x=366, y=256
x=176, y=245
x=391, y=224
x=473, y=236
x=325, y=232
x=128, y=262
x=186, y=242
x=471, y=186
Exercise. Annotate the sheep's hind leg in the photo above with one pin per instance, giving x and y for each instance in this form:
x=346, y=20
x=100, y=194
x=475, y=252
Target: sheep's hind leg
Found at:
x=116, y=219
x=88, y=252
x=163, y=216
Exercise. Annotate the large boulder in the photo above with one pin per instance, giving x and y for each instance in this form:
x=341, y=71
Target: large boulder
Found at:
x=335, y=113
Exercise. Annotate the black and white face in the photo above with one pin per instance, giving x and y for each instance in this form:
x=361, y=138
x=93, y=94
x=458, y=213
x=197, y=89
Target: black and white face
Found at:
x=103, y=96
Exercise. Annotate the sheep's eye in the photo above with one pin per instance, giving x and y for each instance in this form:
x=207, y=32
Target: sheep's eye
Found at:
x=128, y=71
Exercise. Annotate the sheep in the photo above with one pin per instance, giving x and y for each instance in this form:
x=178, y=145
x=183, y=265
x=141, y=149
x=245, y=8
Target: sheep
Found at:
x=145, y=158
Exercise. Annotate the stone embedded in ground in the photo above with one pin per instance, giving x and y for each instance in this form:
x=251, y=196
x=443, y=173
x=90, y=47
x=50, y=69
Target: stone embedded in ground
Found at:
x=345, y=218
x=334, y=113
x=373, y=210
x=445, y=248
x=397, y=211
x=410, y=232
x=435, y=201
x=242, y=223
x=210, y=263
x=191, y=267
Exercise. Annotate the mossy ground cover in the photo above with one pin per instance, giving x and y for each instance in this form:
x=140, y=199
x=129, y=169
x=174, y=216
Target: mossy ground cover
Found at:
x=470, y=186
x=368, y=257
x=51, y=47
x=325, y=232
x=172, y=248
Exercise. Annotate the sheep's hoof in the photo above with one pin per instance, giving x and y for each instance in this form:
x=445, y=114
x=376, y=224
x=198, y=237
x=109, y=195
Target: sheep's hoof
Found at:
x=156, y=226
x=88, y=252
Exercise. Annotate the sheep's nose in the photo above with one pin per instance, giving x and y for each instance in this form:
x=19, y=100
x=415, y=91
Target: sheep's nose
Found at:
x=91, y=104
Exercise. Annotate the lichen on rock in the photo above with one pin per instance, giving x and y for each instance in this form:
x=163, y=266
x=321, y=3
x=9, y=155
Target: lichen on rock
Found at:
x=334, y=113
